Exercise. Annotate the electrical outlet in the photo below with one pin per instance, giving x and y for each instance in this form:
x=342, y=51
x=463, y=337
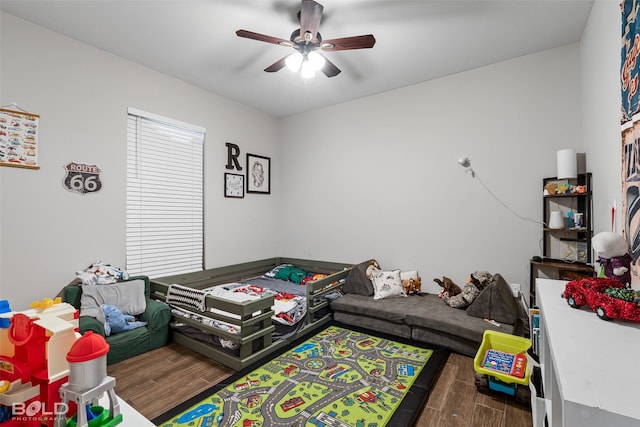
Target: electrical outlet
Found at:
x=515, y=289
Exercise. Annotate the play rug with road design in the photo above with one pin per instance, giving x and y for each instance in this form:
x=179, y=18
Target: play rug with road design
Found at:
x=338, y=377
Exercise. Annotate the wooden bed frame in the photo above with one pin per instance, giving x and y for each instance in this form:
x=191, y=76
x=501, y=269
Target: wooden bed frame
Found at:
x=254, y=327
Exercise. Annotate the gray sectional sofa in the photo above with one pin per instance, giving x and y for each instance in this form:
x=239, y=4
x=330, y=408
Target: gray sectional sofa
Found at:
x=426, y=318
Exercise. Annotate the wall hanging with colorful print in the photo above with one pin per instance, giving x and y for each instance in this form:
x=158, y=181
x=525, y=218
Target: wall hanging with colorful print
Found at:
x=18, y=138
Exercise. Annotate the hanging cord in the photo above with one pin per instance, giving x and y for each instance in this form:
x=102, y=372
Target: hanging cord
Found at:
x=14, y=106
x=475, y=175
x=466, y=164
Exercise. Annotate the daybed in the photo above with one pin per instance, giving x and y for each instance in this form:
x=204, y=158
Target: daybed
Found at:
x=426, y=318
x=209, y=319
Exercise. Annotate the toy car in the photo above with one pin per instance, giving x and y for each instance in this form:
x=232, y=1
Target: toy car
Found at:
x=609, y=298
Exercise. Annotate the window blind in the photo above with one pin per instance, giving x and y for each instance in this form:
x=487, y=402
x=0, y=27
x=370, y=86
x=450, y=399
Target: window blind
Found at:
x=165, y=226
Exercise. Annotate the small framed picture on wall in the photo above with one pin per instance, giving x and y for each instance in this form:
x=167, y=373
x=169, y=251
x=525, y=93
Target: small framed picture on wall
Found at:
x=258, y=174
x=233, y=185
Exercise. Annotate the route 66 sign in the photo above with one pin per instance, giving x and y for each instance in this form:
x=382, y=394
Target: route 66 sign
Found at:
x=82, y=178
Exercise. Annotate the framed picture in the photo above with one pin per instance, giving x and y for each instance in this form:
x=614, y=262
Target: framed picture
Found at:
x=233, y=185
x=258, y=174
x=19, y=137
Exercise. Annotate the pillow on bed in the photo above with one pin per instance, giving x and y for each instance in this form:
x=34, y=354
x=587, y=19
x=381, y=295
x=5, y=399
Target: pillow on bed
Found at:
x=271, y=274
x=292, y=273
x=357, y=281
x=387, y=284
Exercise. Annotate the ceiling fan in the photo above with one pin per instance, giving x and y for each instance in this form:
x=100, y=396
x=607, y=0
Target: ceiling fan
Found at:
x=307, y=41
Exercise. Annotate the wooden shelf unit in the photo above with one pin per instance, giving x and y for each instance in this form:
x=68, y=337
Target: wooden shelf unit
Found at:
x=566, y=252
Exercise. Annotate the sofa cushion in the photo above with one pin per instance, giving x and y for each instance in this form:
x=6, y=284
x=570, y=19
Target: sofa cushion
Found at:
x=433, y=314
x=392, y=309
x=447, y=340
x=357, y=281
x=373, y=324
x=495, y=302
x=127, y=296
x=387, y=284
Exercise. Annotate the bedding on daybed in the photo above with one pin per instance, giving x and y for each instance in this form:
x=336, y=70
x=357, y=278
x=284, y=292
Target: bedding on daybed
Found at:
x=289, y=307
x=286, y=283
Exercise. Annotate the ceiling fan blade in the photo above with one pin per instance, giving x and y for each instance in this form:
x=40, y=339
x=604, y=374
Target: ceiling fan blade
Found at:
x=263, y=38
x=277, y=66
x=329, y=69
x=310, y=16
x=349, y=43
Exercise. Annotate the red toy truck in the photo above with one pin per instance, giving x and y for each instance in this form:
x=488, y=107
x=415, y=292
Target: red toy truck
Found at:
x=609, y=298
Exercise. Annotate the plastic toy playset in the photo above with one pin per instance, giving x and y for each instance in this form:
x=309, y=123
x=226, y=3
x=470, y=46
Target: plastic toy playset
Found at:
x=38, y=384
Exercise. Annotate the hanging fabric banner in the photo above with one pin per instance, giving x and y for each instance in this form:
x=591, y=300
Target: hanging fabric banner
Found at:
x=18, y=139
x=629, y=72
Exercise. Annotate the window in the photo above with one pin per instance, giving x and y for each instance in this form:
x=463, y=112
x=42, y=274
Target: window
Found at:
x=165, y=230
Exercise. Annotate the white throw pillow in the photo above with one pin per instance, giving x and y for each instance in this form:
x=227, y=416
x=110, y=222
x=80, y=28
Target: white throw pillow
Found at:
x=387, y=284
x=406, y=275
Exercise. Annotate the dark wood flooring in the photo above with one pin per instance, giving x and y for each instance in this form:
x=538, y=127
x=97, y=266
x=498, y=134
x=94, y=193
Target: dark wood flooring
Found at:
x=158, y=380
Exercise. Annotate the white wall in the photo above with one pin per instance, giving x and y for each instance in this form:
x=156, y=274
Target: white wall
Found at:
x=82, y=95
x=600, y=68
x=377, y=177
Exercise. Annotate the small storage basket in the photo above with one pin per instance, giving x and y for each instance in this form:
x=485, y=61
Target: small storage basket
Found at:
x=506, y=343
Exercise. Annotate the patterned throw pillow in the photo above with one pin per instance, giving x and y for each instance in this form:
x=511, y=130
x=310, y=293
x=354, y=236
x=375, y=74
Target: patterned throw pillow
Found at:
x=387, y=284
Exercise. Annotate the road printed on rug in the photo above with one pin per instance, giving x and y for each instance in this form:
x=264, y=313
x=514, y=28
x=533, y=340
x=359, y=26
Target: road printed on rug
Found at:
x=337, y=378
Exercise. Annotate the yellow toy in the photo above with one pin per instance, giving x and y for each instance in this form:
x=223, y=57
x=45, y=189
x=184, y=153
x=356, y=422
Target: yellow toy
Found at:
x=45, y=303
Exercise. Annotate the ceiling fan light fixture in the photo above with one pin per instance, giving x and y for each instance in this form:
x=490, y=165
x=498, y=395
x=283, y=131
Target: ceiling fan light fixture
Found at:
x=307, y=70
x=294, y=61
x=305, y=40
x=316, y=60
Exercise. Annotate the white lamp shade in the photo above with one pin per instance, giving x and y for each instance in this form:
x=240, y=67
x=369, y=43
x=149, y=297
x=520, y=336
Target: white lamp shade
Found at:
x=307, y=70
x=316, y=60
x=567, y=164
x=294, y=61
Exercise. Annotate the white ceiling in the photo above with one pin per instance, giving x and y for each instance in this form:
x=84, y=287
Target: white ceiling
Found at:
x=416, y=41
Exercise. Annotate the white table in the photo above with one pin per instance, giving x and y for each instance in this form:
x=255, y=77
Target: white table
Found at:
x=591, y=367
x=130, y=417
